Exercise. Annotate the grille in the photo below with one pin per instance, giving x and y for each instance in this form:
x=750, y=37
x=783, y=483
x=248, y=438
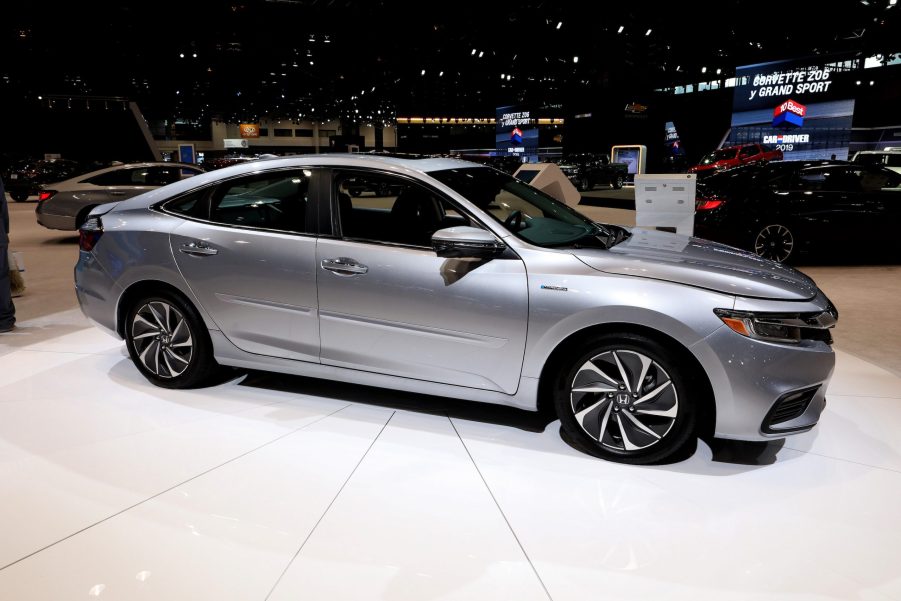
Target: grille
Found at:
x=789, y=407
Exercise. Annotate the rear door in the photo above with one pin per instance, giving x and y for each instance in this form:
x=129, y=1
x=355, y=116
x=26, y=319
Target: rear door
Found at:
x=248, y=251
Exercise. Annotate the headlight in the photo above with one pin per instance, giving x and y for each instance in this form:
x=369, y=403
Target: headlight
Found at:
x=789, y=328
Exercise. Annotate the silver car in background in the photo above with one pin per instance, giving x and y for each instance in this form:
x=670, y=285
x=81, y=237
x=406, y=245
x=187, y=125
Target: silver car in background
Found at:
x=442, y=277
x=64, y=205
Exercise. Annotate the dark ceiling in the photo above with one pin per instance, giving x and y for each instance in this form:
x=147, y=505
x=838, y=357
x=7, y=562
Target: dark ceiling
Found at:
x=323, y=59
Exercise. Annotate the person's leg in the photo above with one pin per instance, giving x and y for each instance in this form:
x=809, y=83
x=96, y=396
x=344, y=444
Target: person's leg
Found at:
x=7, y=308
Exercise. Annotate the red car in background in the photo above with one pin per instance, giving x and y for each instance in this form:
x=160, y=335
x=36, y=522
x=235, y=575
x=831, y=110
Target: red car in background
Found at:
x=733, y=156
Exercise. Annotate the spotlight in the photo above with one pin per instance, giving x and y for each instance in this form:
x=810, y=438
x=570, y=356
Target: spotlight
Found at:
x=621, y=28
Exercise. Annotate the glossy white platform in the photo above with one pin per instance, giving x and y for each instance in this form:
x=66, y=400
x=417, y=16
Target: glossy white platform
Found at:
x=284, y=488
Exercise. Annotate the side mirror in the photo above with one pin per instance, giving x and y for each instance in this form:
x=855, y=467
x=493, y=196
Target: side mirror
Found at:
x=466, y=242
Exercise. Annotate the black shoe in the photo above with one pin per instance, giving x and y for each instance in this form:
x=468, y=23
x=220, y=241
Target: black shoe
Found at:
x=10, y=328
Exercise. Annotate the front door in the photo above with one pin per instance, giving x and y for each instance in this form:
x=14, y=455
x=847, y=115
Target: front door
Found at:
x=250, y=259
x=389, y=304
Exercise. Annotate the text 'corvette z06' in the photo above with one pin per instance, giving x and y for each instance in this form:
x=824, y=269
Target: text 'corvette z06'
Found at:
x=442, y=277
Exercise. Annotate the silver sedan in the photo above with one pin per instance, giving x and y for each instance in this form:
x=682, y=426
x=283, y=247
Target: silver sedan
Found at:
x=64, y=205
x=442, y=277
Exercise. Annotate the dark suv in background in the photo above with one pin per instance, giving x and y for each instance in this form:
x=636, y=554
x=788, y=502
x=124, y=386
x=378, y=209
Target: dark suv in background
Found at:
x=25, y=178
x=778, y=209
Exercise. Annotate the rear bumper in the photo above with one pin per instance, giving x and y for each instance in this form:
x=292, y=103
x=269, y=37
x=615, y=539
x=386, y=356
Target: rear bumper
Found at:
x=55, y=222
x=96, y=292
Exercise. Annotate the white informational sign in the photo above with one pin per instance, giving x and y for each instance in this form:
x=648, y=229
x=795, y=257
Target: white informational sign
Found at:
x=235, y=143
x=666, y=201
x=548, y=178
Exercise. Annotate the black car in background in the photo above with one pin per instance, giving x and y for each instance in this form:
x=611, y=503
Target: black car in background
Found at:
x=781, y=208
x=25, y=178
x=586, y=170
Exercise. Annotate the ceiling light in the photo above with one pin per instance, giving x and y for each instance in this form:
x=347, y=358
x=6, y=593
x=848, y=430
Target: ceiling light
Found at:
x=718, y=71
x=181, y=55
x=559, y=24
x=441, y=74
x=481, y=53
x=503, y=76
x=648, y=32
x=621, y=28
x=703, y=69
x=575, y=59
x=423, y=72
x=509, y=76
x=473, y=52
x=311, y=62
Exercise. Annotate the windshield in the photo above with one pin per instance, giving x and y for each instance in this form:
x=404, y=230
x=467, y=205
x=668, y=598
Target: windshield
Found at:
x=719, y=155
x=525, y=211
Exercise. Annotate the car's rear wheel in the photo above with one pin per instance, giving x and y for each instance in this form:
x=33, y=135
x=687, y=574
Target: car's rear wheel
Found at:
x=19, y=196
x=169, y=343
x=626, y=398
x=774, y=241
x=617, y=182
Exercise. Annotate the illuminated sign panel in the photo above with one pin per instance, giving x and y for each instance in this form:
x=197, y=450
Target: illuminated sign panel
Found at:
x=249, y=130
x=516, y=132
x=804, y=107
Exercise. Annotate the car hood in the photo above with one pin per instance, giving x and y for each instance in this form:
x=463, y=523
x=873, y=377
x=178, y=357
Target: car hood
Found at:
x=700, y=263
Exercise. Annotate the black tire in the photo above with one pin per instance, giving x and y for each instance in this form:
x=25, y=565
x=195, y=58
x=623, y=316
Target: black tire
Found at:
x=617, y=182
x=669, y=410
x=19, y=196
x=584, y=184
x=161, y=365
x=775, y=241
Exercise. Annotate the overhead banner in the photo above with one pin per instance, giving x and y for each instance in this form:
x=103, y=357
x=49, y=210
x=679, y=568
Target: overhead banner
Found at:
x=516, y=133
x=804, y=107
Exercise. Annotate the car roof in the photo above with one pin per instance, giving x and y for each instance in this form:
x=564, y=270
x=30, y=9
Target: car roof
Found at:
x=421, y=165
x=91, y=174
x=401, y=166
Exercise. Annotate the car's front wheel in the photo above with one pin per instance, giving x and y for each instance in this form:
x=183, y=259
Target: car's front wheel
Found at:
x=617, y=182
x=19, y=196
x=584, y=184
x=169, y=344
x=625, y=398
x=774, y=241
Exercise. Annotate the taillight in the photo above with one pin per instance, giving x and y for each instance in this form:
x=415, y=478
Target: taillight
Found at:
x=89, y=233
x=708, y=203
x=45, y=195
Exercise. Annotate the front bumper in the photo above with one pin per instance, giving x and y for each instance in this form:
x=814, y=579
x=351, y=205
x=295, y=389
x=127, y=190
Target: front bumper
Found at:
x=765, y=390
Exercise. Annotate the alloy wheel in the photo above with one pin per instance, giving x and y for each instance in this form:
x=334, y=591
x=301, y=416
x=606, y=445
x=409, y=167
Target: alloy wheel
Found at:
x=624, y=400
x=774, y=242
x=162, y=339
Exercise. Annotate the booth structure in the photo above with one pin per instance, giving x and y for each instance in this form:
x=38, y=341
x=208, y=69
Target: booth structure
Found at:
x=666, y=201
x=548, y=178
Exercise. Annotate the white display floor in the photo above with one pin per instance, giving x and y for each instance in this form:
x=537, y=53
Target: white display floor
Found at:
x=285, y=488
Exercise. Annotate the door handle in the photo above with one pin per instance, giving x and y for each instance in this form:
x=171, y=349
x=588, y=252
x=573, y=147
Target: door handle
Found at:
x=344, y=266
x=198, y=249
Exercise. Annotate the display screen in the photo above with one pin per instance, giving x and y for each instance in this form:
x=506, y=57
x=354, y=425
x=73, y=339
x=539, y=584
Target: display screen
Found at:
x=516, y=133
x=629, y=156
x=803, y=107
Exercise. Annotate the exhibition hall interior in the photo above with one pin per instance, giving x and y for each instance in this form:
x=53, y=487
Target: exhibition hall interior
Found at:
x=342, y=300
